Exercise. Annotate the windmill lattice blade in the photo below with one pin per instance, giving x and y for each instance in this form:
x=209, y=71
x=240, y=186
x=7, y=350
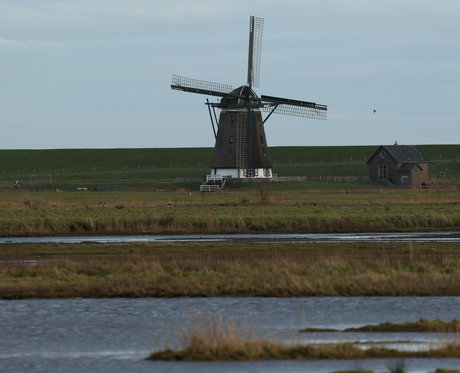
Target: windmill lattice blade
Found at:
x=298, y=111
x=199, y=86
x=257, y=26
x=295, y=108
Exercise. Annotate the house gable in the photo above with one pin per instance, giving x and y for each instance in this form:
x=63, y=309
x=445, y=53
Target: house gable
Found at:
x=401, y=154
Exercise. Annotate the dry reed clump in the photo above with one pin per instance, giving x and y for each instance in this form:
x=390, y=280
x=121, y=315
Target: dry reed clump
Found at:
x=212, y=338
x=264, y=192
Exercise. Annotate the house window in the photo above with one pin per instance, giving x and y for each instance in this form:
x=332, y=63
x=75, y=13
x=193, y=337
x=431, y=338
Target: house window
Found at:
x=231, y=140
x=230, y=153
x=233, y=119
x=383, y=171
x=404, y=179
x=262, y=140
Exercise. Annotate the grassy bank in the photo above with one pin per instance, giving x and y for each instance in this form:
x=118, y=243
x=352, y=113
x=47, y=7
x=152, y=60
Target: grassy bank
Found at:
x=198, y=351
x=210, y=338
x=248, y=351
x=205, y=270
x=420, y=326
x=333, y=210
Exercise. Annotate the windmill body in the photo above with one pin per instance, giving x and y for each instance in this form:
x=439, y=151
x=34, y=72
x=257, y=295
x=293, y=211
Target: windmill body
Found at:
x=230, y=151
x=241, y=149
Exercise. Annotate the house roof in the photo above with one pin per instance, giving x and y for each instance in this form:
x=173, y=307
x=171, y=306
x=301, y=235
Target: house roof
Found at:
x=402, y=153
x=408, y=167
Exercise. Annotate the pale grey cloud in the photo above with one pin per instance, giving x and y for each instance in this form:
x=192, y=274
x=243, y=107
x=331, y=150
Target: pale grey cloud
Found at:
x=97, y=74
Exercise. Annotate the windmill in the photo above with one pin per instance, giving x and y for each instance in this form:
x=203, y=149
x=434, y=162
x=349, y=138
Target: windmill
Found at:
x=241, y=147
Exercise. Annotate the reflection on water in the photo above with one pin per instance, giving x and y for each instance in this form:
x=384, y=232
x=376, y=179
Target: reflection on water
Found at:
x=98, y=335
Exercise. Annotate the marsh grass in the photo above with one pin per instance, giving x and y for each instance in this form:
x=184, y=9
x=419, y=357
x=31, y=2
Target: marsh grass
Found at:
x=419, y=326
x=212, y=338
x=235, y=214
x=149, y=270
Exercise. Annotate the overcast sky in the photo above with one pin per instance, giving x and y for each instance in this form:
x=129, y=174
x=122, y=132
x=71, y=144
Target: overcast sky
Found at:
x=97, y=74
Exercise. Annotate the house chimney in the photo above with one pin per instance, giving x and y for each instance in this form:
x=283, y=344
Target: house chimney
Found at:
x=396, y=143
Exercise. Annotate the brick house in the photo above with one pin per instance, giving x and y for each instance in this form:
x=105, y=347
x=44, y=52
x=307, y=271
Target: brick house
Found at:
x=400, y=165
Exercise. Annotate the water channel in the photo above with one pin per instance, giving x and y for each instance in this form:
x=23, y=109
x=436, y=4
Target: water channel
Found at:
x=115, y=335
x=245, y=238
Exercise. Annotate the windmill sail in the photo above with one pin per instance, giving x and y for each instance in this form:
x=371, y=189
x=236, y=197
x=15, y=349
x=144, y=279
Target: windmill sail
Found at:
x=293, y=107
x=256, y=27
x=200, y=86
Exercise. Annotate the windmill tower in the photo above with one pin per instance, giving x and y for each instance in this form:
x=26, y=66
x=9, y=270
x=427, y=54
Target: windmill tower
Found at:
x=241, y=147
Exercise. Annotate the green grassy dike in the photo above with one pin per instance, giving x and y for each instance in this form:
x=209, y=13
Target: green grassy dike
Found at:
x=81, y=160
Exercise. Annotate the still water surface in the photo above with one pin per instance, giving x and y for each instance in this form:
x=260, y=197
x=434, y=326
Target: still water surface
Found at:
x=101, y=335
x=251, y=237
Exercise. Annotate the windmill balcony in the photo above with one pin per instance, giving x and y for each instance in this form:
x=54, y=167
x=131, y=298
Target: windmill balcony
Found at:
x=240, y=173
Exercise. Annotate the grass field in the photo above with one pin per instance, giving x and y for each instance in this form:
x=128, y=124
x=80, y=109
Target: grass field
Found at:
x=330, y=210
x=212, y=269
x=165, y=270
